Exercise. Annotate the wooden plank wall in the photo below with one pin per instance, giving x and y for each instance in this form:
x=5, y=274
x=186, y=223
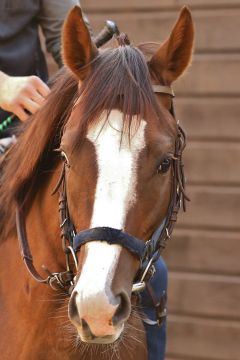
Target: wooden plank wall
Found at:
x=203, y=257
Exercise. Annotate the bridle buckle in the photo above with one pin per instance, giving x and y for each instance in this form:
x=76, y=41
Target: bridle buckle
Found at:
x=60, y=280
x=138, y=287
x=167, y=233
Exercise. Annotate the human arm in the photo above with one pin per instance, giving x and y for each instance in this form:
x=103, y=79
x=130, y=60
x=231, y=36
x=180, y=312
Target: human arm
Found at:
x=21, y=93
x=50, y=19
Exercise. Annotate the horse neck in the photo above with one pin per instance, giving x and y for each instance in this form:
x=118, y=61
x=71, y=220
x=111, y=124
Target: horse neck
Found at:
x=22, y=299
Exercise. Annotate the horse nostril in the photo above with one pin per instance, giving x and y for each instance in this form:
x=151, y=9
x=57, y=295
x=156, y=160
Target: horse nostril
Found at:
x=86, y=330
x=73, y=310
x=123, y=310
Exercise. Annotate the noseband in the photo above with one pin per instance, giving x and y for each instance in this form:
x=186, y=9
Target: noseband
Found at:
x=147, y=252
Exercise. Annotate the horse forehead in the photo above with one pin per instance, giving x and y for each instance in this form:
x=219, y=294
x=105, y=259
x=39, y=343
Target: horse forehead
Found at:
x=109, y=133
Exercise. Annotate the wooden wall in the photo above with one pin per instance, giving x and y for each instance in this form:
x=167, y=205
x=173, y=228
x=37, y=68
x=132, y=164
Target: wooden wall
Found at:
x=204, y=255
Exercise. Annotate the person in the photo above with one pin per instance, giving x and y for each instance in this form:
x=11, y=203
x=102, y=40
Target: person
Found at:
x=154, y=304
x=23, y=69
x=23, y=89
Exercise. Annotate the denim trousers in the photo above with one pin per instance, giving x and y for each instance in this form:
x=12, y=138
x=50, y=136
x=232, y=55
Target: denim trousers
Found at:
x=156, y=335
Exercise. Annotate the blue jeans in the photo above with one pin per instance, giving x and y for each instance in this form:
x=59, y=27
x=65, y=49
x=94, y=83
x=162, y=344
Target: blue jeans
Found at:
x=156, y=335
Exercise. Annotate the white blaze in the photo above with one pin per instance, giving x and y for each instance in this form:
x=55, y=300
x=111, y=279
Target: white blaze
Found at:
x=115, y=192
x=117, y=165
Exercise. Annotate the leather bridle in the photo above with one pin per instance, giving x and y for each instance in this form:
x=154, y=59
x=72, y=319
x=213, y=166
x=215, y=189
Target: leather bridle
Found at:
x=147, y=252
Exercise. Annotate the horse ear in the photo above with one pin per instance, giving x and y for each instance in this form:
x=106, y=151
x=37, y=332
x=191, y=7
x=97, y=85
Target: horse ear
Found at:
x=174, y=55
x=78, y=48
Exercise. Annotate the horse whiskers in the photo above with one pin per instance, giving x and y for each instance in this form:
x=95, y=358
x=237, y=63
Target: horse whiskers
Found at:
x=58, y=294
x=137, y=314
x=115, y=352
x=58, y=310
x=110, y=351
x=68, y=327
x=136, y=309
x=52, y=300
x=127, y=346
x=58, y=317
x=62, y=309
x=93, y=351
x=113, y=348
x=84, y=348
x=59, y=305
x=135, y=339
x=76, y=342
x=127, y=335
x=130, y=326
x=65, y=324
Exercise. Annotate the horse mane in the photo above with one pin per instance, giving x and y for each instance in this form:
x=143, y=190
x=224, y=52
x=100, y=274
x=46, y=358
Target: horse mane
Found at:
x=33, y=151
x=119, y=78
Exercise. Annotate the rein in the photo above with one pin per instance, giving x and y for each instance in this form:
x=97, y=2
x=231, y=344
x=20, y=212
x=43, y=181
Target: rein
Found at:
x=147, y=252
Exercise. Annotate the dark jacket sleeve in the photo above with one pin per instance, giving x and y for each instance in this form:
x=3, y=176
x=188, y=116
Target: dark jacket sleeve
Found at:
x=51, y=18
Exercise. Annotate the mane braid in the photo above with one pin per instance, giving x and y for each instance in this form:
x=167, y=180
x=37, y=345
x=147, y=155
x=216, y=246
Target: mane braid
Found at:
x=119, y=79
x=33, y=153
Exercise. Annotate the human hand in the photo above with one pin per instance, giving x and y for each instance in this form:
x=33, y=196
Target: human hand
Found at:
x=18, y=94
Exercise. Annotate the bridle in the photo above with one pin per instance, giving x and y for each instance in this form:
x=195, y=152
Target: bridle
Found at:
x=147, y=252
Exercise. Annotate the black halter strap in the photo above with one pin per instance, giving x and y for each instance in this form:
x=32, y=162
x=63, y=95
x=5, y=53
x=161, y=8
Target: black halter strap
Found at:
x=111, y=236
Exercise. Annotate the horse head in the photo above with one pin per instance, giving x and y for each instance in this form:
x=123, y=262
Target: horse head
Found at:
x=118, y=146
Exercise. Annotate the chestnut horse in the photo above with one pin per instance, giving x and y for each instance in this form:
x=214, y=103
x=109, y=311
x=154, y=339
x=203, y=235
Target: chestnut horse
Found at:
x=117, y=139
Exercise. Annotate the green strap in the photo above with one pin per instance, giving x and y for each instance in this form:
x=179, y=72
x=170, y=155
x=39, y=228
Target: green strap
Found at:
x=5, y=124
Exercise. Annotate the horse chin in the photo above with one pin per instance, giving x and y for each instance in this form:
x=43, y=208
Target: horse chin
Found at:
x=108, y=339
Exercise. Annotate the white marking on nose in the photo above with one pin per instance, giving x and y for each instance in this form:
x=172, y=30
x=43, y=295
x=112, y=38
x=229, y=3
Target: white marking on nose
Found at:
x=95, y=302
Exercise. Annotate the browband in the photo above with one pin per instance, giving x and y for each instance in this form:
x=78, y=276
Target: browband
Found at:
x=164, y=89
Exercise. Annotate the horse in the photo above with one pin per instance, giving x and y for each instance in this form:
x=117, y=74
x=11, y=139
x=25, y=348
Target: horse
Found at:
x=103, y=153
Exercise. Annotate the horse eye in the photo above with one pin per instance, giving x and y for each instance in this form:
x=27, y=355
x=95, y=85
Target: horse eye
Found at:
x=65, y=158
x=164, y=166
